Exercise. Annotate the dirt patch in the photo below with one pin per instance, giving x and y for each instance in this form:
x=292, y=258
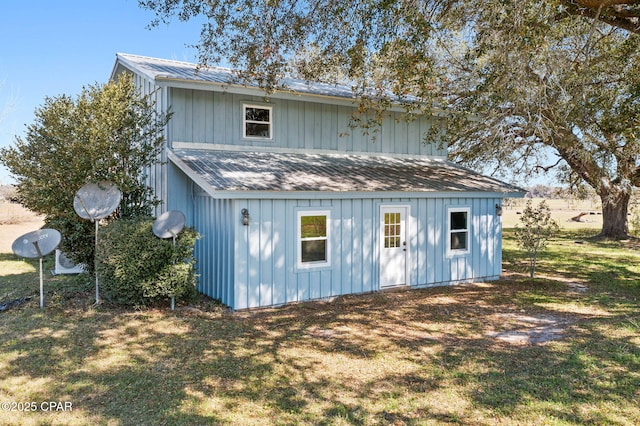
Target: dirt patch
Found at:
x=15, y=220
x=530, y=329
x=11, y=232
x=577, y=287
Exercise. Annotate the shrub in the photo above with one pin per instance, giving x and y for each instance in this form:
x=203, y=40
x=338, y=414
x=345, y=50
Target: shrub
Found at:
x=534, y=230
x=137, y=268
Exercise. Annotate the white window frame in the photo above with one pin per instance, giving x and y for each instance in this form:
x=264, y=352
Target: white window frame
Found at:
x=318, y=264
x=245, y=121
x=467, y=249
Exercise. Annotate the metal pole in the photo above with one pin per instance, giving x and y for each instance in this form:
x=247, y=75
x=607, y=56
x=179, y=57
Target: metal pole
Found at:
x=95, y=264
x=35, y=243
x=41, y=286
x=173, y=299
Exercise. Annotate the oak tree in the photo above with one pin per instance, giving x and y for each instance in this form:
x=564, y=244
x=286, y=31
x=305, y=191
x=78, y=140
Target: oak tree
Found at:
x=624, y=14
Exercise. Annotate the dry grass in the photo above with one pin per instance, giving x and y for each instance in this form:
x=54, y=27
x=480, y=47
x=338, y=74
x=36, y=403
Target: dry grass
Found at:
x=15, y=214
x=560, y=349
x=417, y=357
x=561, y=211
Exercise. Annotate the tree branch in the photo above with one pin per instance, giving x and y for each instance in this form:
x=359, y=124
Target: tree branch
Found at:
x=609, y=12
x=568, y=147
x=635, y=177
x=547, y=168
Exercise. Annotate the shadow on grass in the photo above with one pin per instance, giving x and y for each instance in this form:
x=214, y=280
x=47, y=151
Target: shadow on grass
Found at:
x=578, y=257
x=20, y=278
x=385, y=358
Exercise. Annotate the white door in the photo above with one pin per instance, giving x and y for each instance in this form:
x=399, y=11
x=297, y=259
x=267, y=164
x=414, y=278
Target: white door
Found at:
x=393, y=246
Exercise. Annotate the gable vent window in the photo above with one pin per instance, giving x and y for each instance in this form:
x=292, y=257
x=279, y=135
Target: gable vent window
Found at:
x=257, y=122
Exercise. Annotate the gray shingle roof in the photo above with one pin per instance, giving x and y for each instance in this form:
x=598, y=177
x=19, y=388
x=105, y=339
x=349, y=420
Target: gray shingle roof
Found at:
x=164, y=69
x=242, y=171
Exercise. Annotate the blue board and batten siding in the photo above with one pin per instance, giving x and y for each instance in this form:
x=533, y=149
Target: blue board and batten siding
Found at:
x=156, y=176
x=265, y=271
x=213, y=218
x=216, y=118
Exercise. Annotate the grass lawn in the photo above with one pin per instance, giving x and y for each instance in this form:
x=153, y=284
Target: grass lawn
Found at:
x=563, y=348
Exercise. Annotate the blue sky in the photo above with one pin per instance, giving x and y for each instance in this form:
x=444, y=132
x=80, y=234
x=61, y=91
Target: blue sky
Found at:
x=50, y=48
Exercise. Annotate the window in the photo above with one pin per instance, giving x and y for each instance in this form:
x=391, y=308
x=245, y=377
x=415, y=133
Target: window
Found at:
x=392, y=229
x=458, y=230
x=257, y=122
x=313, y=236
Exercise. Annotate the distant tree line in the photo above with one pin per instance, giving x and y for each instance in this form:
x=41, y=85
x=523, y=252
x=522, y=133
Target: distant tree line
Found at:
x=580, y=192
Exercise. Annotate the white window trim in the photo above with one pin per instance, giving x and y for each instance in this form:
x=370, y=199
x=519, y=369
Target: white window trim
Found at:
x=312, y=265
x=245, y=121
x=458, y=252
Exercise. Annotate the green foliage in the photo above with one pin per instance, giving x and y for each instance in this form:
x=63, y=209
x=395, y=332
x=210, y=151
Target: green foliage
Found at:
x=109, y=132
x=554, y=91
x=534, y=231
x=137, y=268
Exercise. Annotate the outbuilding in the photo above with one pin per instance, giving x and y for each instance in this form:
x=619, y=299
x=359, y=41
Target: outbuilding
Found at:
x=294, y=205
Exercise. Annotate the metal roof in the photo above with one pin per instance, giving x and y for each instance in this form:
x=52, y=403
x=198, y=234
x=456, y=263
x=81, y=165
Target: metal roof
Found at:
x=164, y=69
x=248, y=171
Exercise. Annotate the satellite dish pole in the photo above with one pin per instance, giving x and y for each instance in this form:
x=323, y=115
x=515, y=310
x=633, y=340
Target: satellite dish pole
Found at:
x=38, y=244
x=95, y=201
x=169, y=224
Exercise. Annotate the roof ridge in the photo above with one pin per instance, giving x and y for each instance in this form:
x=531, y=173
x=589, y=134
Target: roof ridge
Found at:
x=188, y=72
x=175, y=61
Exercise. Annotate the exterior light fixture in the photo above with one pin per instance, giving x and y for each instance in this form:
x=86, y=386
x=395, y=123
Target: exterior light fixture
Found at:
x=498, y=210
x=245, y=217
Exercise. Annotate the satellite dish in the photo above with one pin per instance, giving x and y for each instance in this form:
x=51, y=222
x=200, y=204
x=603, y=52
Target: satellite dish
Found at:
x=65, y=265
x=65, y=261
x=37, y=244
x=168, y=224
x=95, y=201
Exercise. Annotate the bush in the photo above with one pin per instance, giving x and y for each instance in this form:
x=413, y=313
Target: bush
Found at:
x=137, y=268
x=534, y=231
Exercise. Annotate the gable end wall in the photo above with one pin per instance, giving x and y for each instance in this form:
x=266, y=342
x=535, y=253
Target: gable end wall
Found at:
x=209, y=117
